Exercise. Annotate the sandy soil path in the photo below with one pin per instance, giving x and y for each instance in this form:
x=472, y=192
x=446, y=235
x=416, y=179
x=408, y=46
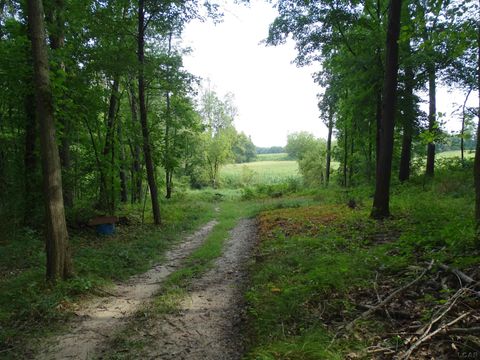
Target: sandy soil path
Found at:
x=210, y=323
x=100, y=319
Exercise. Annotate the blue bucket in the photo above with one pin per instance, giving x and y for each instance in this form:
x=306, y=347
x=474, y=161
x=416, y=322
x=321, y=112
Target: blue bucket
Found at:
x=105, y=229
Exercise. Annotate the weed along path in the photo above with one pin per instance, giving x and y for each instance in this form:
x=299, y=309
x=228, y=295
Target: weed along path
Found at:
x=100, y=319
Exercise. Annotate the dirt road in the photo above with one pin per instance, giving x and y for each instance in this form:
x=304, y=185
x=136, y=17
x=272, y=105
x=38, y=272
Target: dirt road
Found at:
x=207, y=327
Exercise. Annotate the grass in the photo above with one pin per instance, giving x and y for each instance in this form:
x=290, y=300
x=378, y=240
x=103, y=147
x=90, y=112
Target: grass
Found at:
x=128, y=343
x=455, y=153
x=316, y=255
x=315, y=263
x=98, y=261
x=259, y=172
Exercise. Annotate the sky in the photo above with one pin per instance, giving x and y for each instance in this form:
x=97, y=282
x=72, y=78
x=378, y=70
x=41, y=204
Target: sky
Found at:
x=274, y=97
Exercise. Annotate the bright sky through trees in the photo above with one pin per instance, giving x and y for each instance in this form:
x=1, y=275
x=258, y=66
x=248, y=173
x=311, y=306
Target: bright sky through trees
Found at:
x=273, y=96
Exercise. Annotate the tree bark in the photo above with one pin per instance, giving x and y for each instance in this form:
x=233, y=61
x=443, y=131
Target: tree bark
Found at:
x=462, y=131
x=123, y=172
x=168, y=120
x=143, y=114
x=378, y=118
x=56, y=23
x=381, y=201
x=406, y=154
x=476, y=168
x=58, y=256
x=329, y=147
x=352, y=152
x=135, y=149
x=345, y=156
x=106, y=173
x=30, y=159
x=432, y=110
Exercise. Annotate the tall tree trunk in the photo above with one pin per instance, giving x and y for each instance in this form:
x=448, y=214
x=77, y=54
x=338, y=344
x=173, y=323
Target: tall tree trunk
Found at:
x=107, y=171
x=135, y=149
x=462, y=131
x=345, y=156
x=352, y=152
x=381, y=201
x=123, y=172
x=168, y=162
x=329, y=147
x=30, y=159
x=476, y=169
x=406, y=154
x=432, y=110
x=168, y=120
x=56, y=24
x=378, y=118
x=58, y=256
x=143, y=114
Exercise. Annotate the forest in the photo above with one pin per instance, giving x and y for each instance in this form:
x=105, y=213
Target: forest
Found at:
x=137, y=221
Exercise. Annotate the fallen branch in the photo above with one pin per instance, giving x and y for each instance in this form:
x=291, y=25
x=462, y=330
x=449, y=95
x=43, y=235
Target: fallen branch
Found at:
x=451, y=302
x=426, y=337
x=464, y=331
x=462, y=276
x=396, y=314
x=389, y=298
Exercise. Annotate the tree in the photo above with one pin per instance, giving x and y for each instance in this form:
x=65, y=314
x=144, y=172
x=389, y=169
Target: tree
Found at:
x=477, y=148
x=243, y=148
x=58, y=256
x=219, y=137
x=152, y=183
x=381, y=208
x=299, y=143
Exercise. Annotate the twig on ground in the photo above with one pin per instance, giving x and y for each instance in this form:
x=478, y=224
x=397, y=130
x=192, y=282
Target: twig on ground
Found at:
x=462, y=276
x=375, y=287
x=424, y=330
x=396, y=314
x=428, y=336
x=464, y=331
x=389, y=298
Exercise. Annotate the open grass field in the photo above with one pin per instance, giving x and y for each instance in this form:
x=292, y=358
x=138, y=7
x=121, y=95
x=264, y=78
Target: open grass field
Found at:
x=258, y=172
x=455, y=153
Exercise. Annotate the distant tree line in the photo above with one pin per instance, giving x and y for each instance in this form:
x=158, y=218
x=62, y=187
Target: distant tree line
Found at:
x=270, y=150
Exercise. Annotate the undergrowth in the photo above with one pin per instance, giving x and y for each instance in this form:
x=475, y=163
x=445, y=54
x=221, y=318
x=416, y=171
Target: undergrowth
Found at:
x=316, y=266
x=29, y=306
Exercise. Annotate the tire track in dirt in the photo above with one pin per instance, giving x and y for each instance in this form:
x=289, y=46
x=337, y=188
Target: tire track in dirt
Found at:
x=210, y=321
x=100, y=319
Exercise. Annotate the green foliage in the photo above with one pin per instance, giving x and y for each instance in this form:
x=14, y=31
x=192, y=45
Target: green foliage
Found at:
x=97, y=261
x=298, y=144
x=312, y=164
x=243, y=149
x=312, y=261
x=282, y=156
x=270, y=150
x=311, y=156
